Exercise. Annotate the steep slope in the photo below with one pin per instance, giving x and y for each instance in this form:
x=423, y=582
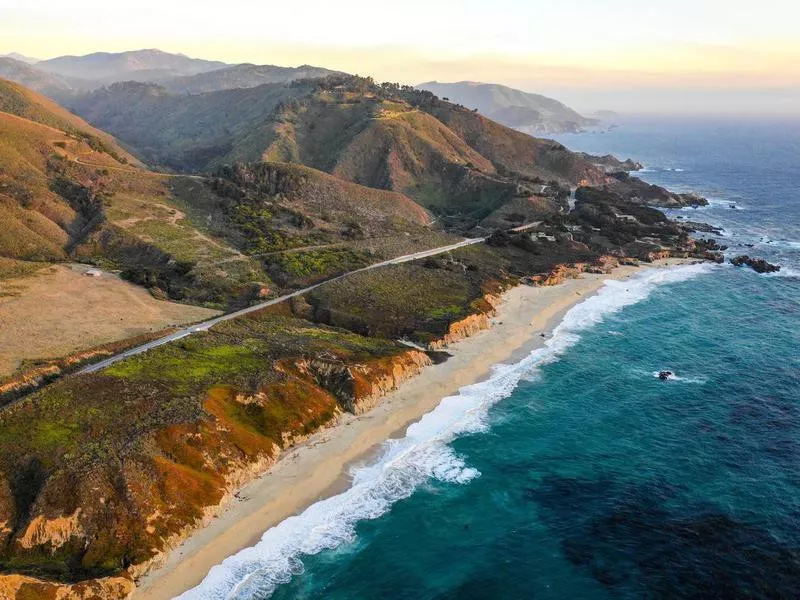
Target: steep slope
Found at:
x=142, y=65
x=181, y=132
x=242, y=76
x=531, y=113
x=36, y=139
x=16, y=99
x=69, y=191
x=453, y=161
x=382, y=144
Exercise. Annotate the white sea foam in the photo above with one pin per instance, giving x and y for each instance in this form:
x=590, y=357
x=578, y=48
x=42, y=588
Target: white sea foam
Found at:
x=647, y=169
x=421, y=456
x=785, y=272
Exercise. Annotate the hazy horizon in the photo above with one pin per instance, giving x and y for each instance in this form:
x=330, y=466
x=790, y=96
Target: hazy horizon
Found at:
x=678, y=58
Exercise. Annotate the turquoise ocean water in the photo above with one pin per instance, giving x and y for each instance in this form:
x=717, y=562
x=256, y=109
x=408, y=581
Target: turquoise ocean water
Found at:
x=576, y=473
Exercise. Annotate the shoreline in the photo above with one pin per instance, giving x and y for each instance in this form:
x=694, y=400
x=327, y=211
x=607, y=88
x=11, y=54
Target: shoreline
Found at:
x=319, y=467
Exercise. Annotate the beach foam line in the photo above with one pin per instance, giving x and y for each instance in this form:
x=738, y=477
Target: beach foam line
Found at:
x=422, y=455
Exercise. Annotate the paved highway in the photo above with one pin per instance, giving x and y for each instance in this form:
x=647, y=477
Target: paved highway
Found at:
x=205, y=325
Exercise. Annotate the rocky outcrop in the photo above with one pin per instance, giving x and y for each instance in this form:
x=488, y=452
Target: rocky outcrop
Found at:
x=470, y=325
x=695, y=226
x=603, y=265
x=374, y=381
x=357, y=388
x=462, y=329
x=759, y=265
x=612, y=165
x=29, y=588
x=558, y=275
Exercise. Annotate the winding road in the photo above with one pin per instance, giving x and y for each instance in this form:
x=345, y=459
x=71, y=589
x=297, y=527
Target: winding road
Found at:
x=206, y=325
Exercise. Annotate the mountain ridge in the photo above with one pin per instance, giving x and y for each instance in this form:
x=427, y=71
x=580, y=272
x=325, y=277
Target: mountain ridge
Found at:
x=531, y=113
x=108, y=67
x=64, y=77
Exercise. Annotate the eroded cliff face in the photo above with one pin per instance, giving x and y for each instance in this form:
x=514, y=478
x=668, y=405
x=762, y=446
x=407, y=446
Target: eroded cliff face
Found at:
x=134, y=514
x=357, y=388
x=486, y=308
x=21, y=587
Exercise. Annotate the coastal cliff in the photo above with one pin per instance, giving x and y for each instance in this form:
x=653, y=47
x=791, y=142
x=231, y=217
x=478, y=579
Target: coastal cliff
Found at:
x=485, y=308
x=180, y=476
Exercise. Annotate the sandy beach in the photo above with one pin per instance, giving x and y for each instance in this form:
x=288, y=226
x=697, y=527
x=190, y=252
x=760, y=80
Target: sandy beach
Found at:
x=319, y=467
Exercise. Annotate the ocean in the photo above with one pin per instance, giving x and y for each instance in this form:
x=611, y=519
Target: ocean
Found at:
x=577, y=473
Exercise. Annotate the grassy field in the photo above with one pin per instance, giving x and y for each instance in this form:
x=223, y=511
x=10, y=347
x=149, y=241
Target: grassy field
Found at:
x=82, y=312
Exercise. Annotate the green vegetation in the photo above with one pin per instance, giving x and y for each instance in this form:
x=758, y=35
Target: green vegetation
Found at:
x=315, y=264
x=115, y=434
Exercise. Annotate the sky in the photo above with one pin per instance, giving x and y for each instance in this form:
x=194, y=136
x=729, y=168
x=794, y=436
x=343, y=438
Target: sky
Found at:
x=646, y=56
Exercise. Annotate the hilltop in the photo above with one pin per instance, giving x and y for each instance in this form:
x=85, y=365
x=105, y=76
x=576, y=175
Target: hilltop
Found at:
x=50, y=84
x=21, y=57
x=530, y=113
x=242, y=76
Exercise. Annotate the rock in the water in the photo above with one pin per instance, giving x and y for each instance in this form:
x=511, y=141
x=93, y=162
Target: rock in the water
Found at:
x=664, y=375
x=759, y=265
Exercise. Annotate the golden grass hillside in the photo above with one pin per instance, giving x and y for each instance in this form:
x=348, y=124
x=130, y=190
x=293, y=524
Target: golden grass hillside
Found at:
x=70, y=192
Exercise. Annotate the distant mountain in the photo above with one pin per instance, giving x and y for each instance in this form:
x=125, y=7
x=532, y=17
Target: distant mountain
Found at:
x=243, y=76
x=605, y=115
x=65, y=77
x=21, y=57
x=141, y=65
x=530, y=113
x=50, y=84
